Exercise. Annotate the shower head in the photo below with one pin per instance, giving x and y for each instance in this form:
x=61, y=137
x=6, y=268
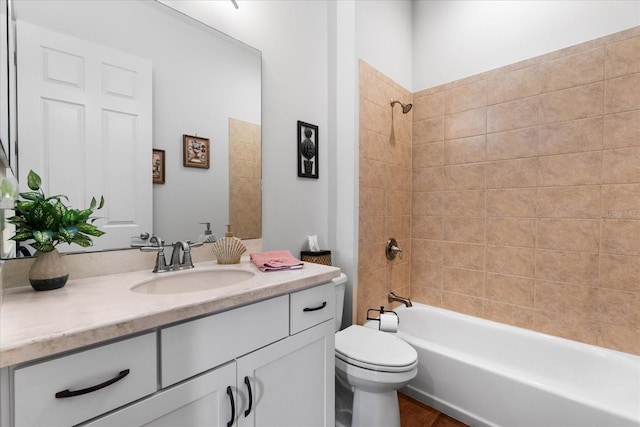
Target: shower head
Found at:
x=405, y=107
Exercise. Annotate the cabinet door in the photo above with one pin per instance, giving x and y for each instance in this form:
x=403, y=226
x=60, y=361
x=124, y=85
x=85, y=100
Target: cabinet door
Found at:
x=291, y=381
x=201, y=401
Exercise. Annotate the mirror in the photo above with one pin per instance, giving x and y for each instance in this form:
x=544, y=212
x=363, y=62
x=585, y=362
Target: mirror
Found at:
x=203, y=84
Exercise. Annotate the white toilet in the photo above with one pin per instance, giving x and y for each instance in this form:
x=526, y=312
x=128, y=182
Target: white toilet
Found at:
x=370, y=367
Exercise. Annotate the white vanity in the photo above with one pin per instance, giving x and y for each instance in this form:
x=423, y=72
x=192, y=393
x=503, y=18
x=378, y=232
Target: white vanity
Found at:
x=258, y=352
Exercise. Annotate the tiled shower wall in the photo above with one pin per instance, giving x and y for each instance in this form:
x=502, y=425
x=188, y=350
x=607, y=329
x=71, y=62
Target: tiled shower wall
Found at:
x=526, y=194
x=385, y=190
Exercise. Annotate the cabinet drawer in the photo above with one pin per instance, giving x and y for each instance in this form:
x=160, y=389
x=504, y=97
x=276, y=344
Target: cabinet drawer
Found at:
x=193, y=347
x=36, y=385
x=312, y=306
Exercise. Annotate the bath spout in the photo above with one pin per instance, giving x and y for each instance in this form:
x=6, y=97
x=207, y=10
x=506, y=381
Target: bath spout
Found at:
x=393, y=297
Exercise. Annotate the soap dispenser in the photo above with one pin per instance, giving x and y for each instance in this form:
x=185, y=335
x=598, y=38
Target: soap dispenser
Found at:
x=207, y=236
x=228, y=249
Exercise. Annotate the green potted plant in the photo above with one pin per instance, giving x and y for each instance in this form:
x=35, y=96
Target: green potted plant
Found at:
x=44, y=222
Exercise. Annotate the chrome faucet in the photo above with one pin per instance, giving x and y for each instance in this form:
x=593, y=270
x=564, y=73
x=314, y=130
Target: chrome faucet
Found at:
x=393, y=297
x=178, y=262
x=184, y=262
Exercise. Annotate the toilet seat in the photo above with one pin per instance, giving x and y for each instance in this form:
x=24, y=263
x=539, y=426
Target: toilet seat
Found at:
x=370, y=349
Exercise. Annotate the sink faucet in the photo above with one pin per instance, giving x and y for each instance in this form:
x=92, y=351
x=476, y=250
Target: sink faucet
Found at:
x=177, y=262
x=393, y=297
x=184, y=262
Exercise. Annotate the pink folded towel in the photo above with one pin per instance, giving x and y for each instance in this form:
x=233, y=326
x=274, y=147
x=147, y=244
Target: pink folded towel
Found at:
x=275, y=261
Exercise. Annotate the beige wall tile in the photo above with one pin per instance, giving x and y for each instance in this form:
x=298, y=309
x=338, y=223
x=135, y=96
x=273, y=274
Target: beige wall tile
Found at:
x=398, y=203
x=465, y=150
x=427, y=227
x=466, y=123
x=622, y=58
x=428, y=179
x=622, y=94
x=400, y=228
x=571, y=137
x=519, y=202
x=426, y=275
x=372, y=230
x=620, y=272
x=566, y=326
x=427, y=203
x=573, y=70
x=510, y=260
x=467, y=282
x=463, y=229
x=511, y=232
x=510, y=290
x=579, y=268
x=428, y=296
x=371, y=257
x=465, y=177
x=621, y=338
x=513, y=85
x=570, y=169
x=512, y=173
x=370, y=175
x=573, y=300
x=572, y=104
x=464, y=203
x=621, y=166
x=569, y=202
x=375, y=118
x=463, y=255
x=621, y=201
x=466, y=97
x=426, y=251
x=521, y=113
x=619, y=307
x=462, y=303
x=429, y=130
x=427, y=155
x=373, y=201
x=428, y=106
x=374, y=146
x=569, y=234
x=622, y=129
x=621, y=237
x=512, y=144
x=510, y=314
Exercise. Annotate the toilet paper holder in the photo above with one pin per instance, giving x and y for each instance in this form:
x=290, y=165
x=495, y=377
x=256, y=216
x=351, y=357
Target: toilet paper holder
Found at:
x=380, y=311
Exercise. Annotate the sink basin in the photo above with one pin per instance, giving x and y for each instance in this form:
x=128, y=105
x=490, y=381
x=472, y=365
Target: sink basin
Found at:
x=192, y=281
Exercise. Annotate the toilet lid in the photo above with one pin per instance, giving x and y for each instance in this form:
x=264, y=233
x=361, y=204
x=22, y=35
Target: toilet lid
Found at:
x=373, y=349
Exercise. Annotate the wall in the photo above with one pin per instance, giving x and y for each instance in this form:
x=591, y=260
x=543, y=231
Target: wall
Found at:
x=526, y=193
x=456, y=39
x=385, y=190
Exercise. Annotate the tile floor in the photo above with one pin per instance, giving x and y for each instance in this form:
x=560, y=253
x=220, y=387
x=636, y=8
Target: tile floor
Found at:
x=416, y=414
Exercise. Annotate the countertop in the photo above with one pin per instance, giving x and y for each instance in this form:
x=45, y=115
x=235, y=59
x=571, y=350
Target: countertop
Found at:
x=88, y=311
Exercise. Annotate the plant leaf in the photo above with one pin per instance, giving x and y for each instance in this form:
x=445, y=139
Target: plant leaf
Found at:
x=89, y=229
x=42, y=247
x=22, y=235
x=32, y=195
x=101, y=205
x=43, y=236
x=33, y=181
x=82, y=240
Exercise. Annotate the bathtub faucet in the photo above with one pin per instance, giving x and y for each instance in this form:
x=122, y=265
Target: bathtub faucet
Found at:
x=393, y=297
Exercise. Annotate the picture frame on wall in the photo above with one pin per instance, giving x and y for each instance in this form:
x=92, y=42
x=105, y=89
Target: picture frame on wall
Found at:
x=195, y=151
x=157, y=166
x=307, y=150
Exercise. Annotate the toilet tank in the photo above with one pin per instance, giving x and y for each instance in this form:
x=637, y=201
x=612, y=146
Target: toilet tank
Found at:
x=340, y=283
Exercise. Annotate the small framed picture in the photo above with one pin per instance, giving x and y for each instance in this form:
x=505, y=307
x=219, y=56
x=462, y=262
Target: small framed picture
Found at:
x=195, y=152
x=307, y=150
x=157, y=166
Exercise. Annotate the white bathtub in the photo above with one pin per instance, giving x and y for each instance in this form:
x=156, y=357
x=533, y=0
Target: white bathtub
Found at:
x=485, y=373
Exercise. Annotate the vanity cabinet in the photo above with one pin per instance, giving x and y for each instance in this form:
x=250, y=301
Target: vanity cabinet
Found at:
x=270, y=363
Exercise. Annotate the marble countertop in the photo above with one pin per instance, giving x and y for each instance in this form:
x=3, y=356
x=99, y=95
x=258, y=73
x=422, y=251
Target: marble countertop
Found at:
x=92, y=310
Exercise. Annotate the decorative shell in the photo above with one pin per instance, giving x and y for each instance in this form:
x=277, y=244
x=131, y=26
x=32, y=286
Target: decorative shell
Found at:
x=228, y=250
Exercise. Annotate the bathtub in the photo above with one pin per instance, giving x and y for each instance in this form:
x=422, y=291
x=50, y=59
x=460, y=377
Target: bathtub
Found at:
x=485, y=373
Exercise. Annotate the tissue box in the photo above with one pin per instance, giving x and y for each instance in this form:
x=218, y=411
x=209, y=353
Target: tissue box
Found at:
x=320, y=257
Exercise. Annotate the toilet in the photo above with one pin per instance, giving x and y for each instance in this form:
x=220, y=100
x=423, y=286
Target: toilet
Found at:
x=370, y=367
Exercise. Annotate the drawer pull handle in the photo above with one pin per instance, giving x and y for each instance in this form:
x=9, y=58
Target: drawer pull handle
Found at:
x=68, y=393
x=248, y=384
x=320, y=307
x=233, y=406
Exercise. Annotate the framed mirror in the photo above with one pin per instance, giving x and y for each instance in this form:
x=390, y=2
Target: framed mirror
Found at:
x=102, y=84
